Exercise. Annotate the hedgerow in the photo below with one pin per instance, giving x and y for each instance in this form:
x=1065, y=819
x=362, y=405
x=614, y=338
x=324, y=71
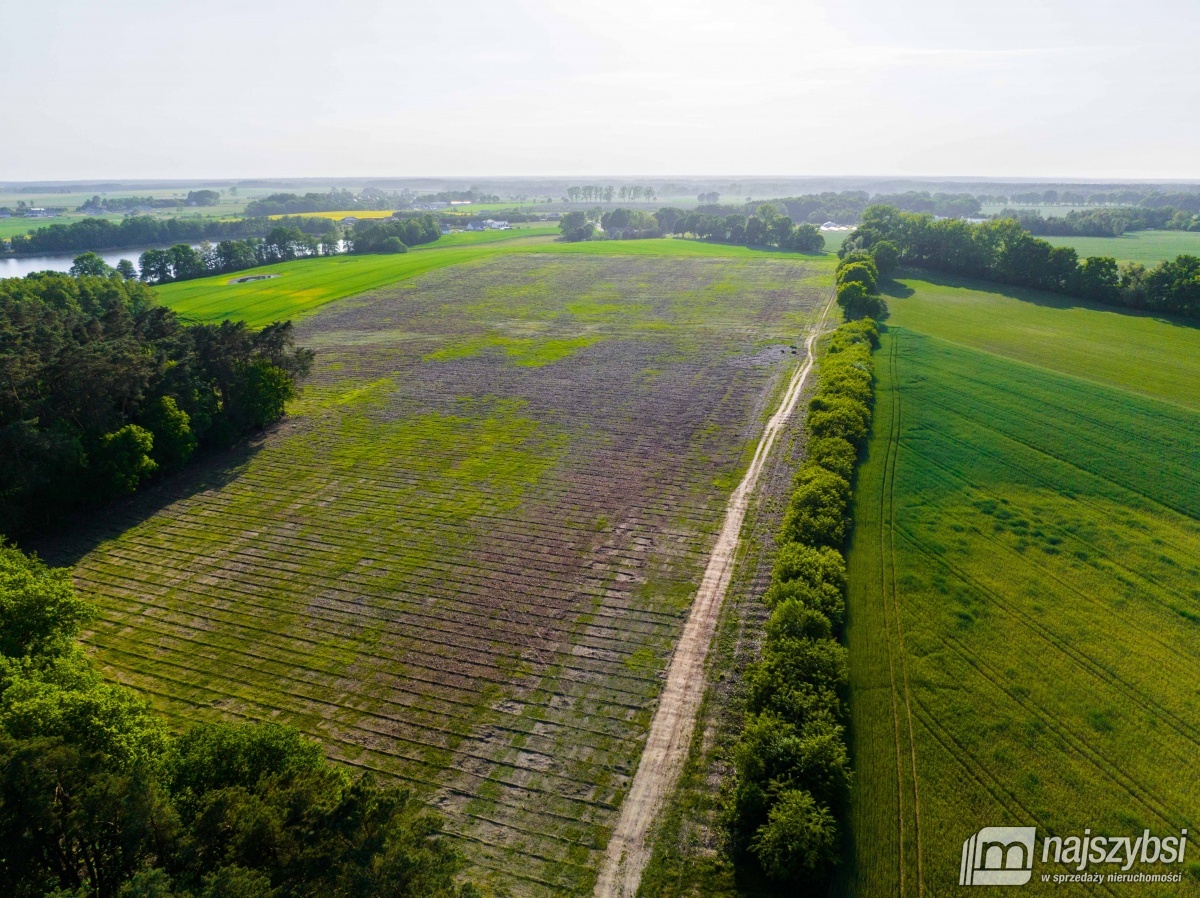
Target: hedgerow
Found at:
x=792, y=765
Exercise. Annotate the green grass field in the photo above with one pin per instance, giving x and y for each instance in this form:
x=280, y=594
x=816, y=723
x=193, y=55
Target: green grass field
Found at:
x=1024, y=615
x=1147, y=247
x=11, y=227
x=464, y=559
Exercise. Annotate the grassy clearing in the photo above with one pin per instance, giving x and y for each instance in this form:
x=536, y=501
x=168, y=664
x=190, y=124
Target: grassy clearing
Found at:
x=304, y=286
x=1147, y=247
x=1024, y=612
x=465, y=558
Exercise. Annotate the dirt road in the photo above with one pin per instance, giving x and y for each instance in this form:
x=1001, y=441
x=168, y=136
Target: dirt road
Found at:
x=671, y=729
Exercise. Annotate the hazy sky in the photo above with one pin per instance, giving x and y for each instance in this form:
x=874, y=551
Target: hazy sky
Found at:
x=256, y=88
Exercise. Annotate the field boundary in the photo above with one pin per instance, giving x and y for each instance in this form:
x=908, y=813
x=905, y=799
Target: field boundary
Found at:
x=671, y=729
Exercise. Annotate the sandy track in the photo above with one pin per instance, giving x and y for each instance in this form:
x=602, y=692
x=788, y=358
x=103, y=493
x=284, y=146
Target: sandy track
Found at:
x=671, y=729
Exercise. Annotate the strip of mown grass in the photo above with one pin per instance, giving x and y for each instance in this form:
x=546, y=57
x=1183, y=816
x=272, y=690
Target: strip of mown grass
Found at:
x=1024, y=614
x=464, y=560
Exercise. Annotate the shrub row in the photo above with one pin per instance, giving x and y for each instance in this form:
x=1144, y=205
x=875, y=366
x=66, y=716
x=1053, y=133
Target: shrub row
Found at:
x=858, y=276
x=792, y=764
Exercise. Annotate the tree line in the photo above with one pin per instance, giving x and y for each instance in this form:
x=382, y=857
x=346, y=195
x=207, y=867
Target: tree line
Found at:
x=281, y=244
x=474, y=195
x=98, y=204
x=857, y=279
x=333, y=201
x=98, y=799
x=1002, y=251
x=848, y=206
x=1153, y=199
x=791, y=763
x=143, y=230
x=104, y=389
x=1105, y=222
x=393, y=236
x=767, y=228
x=592, y=193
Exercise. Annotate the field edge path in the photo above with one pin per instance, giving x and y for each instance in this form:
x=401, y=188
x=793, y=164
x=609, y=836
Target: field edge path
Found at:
x=674, y=720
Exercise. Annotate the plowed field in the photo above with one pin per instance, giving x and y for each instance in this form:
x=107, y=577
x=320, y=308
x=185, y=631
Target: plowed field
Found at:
x=465, y=558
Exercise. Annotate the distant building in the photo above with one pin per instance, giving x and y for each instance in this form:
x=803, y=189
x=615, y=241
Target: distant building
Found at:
x=460, y=202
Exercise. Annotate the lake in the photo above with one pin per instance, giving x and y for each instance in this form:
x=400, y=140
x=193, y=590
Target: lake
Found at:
x=19, y=266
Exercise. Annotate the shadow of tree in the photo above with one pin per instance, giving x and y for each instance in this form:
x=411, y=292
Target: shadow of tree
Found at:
x=895, y=289
x=84, y=529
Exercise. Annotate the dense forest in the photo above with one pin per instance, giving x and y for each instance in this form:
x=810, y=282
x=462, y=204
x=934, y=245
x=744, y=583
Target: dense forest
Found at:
x=1002, y=251
x=98, y=799
x=103, y=389
x=142, y=230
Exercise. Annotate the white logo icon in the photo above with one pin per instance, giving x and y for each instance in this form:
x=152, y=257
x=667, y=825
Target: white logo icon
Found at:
x=998, y=856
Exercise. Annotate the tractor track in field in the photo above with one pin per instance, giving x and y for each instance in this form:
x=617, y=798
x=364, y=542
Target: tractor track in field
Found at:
x=674, y=720
x=888, y=534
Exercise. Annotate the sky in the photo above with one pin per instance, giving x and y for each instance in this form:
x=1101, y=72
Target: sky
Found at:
x=1072, y=89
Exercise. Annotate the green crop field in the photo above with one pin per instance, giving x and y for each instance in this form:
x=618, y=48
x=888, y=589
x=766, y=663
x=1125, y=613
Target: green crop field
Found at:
x=1024, y=615
x=464, y=559
x=300, y=288
x=1143, y=353
x=1147, y=247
